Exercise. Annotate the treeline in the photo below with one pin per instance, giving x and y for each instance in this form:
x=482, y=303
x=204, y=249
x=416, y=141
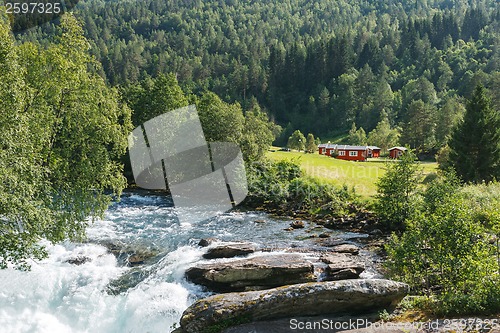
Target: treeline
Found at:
x=417, y=73
x=317, y=66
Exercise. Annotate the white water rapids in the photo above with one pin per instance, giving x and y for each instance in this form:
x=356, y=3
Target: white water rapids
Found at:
x=57, y=296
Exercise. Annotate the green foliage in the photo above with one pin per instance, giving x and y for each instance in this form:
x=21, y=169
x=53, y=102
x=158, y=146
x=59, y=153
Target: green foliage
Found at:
x=398, y=191
x=446, y=249
x=269, y=181
x=258, y=134
x=383, y=136
x=63, y=133
x=311, y=144
x=448, y=117
x=312, y=195
x=297, y=141
x=420, y=128
x=357, y=137
x=282, y=185
x=443, y=158
x=220, y=121
x=317, y=74
x=475, y=143
x=153, y=97
x=442, y=187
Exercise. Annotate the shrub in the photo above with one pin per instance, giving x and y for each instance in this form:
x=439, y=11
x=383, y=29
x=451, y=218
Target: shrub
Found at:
x=283, y=184
x=446, y=249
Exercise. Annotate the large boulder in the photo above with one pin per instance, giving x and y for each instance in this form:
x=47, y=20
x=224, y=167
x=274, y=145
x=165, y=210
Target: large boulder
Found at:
x=229, y=250
x=307, y=299
x=266, y=271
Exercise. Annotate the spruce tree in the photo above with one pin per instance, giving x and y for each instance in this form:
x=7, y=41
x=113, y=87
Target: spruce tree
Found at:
x=475, y=142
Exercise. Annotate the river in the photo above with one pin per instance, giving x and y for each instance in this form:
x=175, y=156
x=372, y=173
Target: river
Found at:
x=105, y=295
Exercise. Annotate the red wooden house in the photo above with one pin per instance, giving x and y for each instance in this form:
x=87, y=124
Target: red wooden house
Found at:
x=347, y=152
x=396, y=152
x=373, y=151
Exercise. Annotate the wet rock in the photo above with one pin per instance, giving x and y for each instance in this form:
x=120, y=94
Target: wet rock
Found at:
x=289, y=229
x=230, y=250
x=341, y=266
x=204, y=242
x=137, y=259
x=130, y=254
x=323, y=235
x=128, y=280
x=257, y=273
x=259, y=221
x=307, y=299
x=346, y=248
x=80, y=260
x=114, y=248
x=297, y=224
x=376, y=232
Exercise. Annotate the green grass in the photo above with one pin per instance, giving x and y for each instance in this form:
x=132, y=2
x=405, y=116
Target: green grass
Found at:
x=360, y=175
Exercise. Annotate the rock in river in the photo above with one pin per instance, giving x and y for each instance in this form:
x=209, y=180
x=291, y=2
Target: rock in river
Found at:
x=229, y=250
x=266, y=271
x=297, y=224
x=206, y=241
x=341, y=266
x=346, y=248
x=79, y=260
x=307, y=299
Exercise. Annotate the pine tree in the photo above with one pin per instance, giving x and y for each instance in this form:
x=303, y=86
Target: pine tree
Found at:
x=475, y=143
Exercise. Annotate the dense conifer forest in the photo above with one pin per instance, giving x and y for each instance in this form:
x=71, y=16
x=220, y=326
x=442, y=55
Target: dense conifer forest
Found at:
x=316, y=66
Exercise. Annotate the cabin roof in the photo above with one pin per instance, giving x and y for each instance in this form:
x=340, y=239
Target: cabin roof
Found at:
x=346, y=147
x=398, y=148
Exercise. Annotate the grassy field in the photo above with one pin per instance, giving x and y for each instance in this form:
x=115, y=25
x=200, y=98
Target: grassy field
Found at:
x=361, y=175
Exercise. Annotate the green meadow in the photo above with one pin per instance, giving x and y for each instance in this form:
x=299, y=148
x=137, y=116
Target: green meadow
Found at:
x=360, y=175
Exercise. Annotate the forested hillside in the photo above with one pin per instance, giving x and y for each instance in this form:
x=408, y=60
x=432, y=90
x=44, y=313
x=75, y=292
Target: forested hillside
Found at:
x=317, y=66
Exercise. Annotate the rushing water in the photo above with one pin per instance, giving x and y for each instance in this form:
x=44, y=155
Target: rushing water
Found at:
x=105, y=295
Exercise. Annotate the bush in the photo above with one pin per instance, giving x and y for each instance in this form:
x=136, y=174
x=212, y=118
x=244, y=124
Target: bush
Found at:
x=282, y=184
x=269, y=181
x=446, y=249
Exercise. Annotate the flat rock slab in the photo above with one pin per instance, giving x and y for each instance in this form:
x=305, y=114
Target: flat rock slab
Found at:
x=230, y=250
x=341, y=266
x=256, y=273
x=307, y=299
x=346, y=248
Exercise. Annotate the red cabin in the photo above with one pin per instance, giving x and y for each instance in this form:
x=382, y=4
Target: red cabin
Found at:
x=347, y=152
x=373, y=151
x=396, y=152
